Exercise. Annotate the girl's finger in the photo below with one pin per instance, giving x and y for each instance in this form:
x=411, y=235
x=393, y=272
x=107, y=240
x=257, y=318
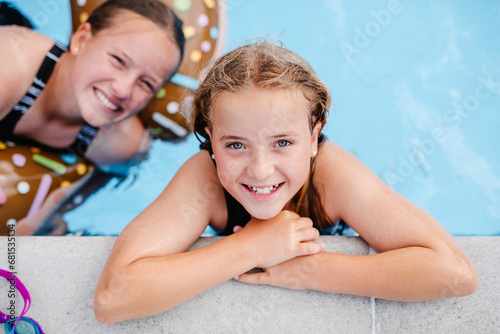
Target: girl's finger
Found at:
x=310, y=247
x=309, y=234
x=254, y=278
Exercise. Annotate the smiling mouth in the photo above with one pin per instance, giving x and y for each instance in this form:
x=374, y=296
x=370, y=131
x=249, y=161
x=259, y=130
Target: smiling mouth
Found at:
x=106, y=102
x=264, y=190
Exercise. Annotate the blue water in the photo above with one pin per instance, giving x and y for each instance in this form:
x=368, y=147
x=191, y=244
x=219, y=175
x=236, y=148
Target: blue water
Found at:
x=416, y=90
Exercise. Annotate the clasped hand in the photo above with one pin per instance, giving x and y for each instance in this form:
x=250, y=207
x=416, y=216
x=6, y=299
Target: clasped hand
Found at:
x=284, y=246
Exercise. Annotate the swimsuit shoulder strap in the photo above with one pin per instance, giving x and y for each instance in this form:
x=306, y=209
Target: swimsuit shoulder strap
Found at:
x=84, y=138
x=8, y=123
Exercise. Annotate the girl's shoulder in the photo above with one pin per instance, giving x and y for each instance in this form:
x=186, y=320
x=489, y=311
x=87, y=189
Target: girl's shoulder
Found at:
x=335, y=166
x=23, y=42
x=22, y=52
x=338, y=173
x=330, y=153
x=199, y=175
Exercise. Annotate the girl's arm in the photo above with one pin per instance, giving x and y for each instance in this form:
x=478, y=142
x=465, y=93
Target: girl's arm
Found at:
x=10, y=76
x=149, y=270
x=418, y=259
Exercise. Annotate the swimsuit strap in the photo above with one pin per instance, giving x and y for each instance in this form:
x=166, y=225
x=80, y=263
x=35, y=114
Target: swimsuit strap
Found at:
x=8, y=123
x=84, y=138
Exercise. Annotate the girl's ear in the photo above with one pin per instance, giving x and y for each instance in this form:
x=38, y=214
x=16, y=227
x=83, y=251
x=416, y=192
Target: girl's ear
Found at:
x=315, y=133
x=80, y=38
x=207, y=130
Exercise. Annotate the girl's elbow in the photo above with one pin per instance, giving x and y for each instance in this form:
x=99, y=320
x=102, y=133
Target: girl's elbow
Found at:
x=471, y=280
x=104, y=304
x=465, y=280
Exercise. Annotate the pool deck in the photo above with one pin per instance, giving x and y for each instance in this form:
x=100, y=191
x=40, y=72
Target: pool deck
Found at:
x=61, y=273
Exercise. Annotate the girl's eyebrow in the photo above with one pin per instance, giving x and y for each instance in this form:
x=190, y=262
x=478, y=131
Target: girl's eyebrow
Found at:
x=288, y=134
x=230, y=137
x=282, y=135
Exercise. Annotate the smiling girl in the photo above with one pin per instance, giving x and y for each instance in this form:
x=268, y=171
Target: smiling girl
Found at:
x=267, y=173
x=116, y=62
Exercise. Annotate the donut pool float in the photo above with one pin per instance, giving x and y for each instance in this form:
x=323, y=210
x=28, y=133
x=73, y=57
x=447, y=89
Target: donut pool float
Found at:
x=28, y=174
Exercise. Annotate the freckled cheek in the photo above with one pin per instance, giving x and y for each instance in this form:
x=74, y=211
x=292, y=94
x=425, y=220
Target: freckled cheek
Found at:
x=224, y=177
x=305, y=173
x=298, y=169
x=228, y=171
x=89, y=76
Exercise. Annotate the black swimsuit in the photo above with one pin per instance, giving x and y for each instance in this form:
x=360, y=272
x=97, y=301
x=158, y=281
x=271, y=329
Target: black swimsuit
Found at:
x=236, y=214
x=9, y=122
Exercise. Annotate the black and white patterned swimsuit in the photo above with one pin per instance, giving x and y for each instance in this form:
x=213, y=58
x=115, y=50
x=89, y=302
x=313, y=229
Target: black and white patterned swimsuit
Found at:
x=9, y=122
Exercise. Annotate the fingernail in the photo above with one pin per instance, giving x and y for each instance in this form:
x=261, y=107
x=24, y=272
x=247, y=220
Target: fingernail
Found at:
x=322, y=245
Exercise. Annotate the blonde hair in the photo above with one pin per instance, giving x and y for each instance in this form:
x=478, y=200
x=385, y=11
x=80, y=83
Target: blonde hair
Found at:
x=264, y=65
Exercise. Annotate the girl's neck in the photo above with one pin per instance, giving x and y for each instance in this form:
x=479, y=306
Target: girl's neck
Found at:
x=58, y=100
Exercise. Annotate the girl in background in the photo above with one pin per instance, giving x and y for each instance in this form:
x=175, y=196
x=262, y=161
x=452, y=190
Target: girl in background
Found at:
x=86, y=98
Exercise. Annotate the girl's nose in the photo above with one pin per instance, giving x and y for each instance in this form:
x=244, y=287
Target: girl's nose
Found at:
x=261, y=166
x=123, y=86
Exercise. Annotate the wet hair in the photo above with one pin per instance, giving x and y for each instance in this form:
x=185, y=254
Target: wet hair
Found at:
x=265, y=65
x=154, y=10
x=9, y=15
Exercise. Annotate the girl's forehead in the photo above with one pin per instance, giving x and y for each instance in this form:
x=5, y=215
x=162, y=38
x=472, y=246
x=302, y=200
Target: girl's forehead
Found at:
x=128, y=22
x=276, y=99
x=142, y=42
x=261, y=107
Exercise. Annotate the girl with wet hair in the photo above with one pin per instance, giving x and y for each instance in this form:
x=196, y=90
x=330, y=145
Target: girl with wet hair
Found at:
x=269, y=180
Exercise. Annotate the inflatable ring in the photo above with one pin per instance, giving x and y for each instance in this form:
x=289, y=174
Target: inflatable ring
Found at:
x=204, y=29
x=28, y=174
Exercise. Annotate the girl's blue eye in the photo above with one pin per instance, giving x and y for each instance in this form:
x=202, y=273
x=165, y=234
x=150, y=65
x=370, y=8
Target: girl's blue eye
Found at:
x=236, y=146
x=283, y=143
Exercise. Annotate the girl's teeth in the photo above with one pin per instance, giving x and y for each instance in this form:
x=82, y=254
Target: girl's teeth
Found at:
x=105, y=101
x=264, y=191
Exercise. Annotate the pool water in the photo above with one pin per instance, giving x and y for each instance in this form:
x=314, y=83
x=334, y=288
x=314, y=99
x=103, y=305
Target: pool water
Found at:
x=416, y=91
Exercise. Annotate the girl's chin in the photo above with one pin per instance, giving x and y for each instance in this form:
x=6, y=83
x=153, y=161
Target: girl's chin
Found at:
x=264, y=215
x=96, y=121
x=91, y=118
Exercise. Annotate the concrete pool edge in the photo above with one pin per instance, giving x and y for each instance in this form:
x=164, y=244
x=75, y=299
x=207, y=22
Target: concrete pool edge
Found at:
x=61, y=273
